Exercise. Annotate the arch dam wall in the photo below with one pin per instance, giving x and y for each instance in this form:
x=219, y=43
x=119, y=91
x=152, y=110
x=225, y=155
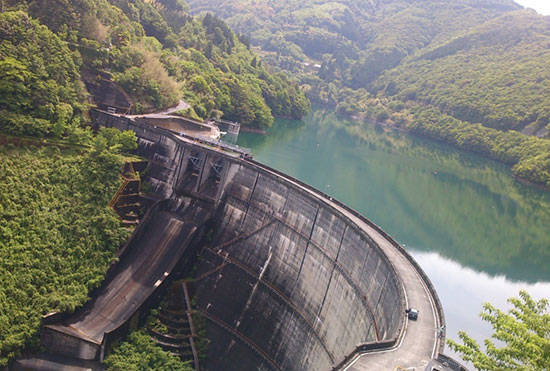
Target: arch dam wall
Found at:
x=286, y=280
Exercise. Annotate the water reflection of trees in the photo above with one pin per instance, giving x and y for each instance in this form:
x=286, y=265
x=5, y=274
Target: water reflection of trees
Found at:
x=430, y=197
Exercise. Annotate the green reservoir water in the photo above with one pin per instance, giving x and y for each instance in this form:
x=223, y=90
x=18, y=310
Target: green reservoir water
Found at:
x=480, y=234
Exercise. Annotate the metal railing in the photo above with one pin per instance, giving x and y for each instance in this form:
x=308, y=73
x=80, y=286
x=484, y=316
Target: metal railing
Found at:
x=219, y=143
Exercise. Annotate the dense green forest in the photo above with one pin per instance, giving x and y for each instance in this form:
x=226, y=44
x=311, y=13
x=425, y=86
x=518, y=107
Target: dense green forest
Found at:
x=57, y=235
x=41, y=92
x=461, y=71
x=154, y=50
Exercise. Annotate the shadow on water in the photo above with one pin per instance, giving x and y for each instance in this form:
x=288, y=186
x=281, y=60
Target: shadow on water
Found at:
x=430, y=197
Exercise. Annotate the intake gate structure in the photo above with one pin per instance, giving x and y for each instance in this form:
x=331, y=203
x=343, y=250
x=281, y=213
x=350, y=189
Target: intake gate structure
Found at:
x=290, y=279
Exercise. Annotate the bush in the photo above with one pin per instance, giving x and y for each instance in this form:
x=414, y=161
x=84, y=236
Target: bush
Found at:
x=21, y=124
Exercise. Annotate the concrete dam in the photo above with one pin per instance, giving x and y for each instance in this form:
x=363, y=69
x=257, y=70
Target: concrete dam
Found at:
x=287, y=278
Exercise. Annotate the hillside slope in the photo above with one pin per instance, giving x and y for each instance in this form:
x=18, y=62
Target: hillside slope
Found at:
x=496, y=74
x=446, y=69
x=158, y=54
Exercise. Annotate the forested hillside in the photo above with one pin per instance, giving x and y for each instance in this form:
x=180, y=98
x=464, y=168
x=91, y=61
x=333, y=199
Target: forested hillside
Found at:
x=429, y=66
x=497, y=74
x=57, y=235
x=40, y=86
x=154, y=50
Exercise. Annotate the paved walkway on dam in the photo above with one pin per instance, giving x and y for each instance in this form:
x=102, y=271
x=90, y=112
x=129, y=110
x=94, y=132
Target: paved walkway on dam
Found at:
x=421, y=337
x=160, y=114
x=418, y=345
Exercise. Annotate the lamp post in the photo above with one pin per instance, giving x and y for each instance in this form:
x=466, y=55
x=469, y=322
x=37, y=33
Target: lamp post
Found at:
x=325, y=191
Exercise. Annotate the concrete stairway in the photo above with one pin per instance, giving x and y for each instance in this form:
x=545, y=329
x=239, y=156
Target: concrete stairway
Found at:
x=128, y=201
x=171, y=328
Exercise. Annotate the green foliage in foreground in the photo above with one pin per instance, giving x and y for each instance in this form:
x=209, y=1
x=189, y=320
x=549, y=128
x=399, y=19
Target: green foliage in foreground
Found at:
x=57, y=235
x=524, y=332
x=138, y=352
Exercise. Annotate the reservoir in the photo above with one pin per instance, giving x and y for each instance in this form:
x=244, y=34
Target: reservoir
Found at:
x=480, y=234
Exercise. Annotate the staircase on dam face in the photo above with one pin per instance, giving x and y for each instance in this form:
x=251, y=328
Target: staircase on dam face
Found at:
x=128, y=202
x=171, y=326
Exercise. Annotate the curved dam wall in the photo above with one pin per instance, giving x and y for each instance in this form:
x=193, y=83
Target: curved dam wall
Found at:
x=298, y=280
x=285, y=281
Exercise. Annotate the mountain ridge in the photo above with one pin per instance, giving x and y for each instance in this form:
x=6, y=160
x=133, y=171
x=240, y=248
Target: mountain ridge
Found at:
x=468, y=62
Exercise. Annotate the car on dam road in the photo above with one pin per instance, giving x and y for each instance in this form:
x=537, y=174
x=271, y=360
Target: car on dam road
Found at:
x=412, y=314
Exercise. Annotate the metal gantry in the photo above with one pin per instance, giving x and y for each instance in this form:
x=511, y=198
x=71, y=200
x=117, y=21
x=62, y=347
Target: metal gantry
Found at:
x=218, y=167
x=196, y=160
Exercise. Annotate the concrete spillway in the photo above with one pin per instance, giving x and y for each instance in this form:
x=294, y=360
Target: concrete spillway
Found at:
x=290, y=279
x=167, y=236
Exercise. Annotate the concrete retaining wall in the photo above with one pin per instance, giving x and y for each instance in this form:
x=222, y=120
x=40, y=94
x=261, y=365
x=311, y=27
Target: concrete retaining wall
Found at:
x=69, y=345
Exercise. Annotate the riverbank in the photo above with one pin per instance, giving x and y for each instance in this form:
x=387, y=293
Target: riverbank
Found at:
x=527, y=156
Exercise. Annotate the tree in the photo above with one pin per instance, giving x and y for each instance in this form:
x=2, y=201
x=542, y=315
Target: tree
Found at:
x=115, y=140
x=14, y=90
x=524, y=332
